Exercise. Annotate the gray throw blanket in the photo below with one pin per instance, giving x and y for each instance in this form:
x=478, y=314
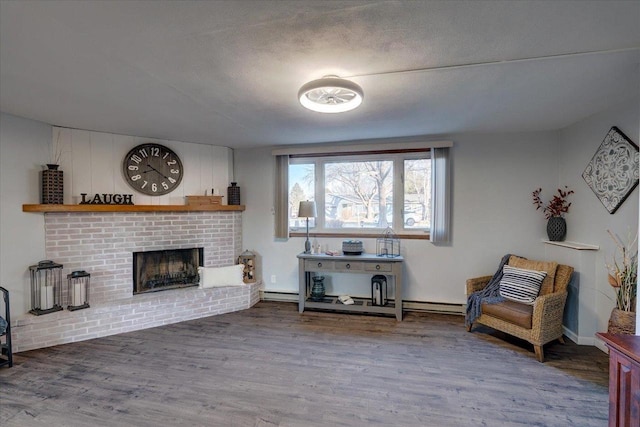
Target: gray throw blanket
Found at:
x=490, y=294
x=3, y=326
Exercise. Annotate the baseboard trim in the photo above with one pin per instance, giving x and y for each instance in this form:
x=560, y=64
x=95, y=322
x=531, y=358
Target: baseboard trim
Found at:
x=435, y=307
x=278, y=296
x=584, y=340
x=429, y=307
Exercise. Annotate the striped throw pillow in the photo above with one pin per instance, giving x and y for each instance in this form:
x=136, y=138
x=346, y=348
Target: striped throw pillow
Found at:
x=521, y=285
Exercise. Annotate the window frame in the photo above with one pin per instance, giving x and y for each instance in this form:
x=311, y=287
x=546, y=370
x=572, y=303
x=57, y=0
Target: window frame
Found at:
x=398, y=157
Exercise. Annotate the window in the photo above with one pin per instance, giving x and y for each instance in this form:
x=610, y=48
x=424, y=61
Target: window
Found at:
x=363, y=193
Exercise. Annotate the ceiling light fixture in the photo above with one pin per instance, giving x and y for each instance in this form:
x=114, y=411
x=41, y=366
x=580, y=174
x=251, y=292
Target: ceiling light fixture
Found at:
x=330, y=94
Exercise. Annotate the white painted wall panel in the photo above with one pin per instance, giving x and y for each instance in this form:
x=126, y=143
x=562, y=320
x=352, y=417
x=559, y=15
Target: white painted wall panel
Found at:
x=92, y=164
x=101, y=163
x=81, y=172
x=223, y=170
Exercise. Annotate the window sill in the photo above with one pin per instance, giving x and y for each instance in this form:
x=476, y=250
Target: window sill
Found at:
x=348, y=235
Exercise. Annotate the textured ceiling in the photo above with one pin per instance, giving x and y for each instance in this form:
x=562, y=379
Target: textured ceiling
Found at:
x=228, y=72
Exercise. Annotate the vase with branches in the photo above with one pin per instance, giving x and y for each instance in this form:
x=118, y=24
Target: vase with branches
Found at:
x=554, y=212
x=557, y=206
x=55, y=153
x=623, y=277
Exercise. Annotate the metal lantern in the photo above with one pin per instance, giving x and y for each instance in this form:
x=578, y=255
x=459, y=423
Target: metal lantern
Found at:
x=248, y=259
x=388, y=245
x=379, y=290
x=78, y=290
x=46, y=287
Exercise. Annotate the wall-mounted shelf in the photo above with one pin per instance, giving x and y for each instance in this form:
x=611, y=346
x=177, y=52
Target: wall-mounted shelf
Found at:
x=131, y=208
x=573, y=245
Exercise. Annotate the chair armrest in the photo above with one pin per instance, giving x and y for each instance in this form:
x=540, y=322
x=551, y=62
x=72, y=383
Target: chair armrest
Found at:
x=547, y=315
x=477, y=283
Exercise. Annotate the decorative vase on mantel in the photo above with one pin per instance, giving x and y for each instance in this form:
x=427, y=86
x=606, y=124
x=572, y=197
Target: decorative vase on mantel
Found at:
x=622, y=322
x=556, y=228
x=52, y=185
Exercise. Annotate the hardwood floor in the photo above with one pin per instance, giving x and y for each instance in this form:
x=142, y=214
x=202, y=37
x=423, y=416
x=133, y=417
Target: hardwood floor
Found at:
x=271, y=366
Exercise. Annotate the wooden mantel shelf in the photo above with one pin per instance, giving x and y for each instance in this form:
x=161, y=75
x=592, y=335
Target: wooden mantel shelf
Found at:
x=131, y=208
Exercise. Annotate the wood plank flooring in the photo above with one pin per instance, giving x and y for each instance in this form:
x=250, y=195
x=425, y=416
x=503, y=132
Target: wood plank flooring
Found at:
x=271, y=366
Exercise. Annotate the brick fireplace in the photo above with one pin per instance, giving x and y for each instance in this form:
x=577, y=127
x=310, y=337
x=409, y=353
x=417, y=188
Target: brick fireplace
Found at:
x=103, y=244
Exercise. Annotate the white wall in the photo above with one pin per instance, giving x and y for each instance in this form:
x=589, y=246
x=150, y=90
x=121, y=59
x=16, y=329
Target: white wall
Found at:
x=493, y=177
x=92, y=163
x=23, y=151
x=589, y=220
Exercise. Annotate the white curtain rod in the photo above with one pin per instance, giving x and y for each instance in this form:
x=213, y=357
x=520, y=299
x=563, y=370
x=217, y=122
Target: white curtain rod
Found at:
x=353, y=147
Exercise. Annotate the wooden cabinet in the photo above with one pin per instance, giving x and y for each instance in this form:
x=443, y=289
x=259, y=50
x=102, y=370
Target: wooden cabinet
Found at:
x=624, y=379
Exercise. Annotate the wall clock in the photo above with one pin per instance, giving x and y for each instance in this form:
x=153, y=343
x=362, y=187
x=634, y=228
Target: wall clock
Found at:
x=152, y=169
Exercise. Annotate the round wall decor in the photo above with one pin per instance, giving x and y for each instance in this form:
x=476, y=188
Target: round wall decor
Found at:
x=152, y=169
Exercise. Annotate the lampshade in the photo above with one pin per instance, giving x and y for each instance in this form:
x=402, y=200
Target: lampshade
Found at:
x=330, y=94
x=307, y=209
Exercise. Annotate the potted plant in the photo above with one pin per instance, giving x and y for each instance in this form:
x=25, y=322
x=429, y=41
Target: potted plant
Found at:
x=554, y=212
x=623, y=275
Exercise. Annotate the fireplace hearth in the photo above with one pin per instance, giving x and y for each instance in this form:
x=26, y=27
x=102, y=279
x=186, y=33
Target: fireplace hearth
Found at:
x=166, y=269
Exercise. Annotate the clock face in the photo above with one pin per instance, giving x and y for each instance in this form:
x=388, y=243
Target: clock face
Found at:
x=152, y=169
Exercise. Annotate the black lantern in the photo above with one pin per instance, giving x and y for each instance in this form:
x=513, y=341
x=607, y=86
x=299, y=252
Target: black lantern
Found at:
x=379, y=290
x=46, y=287
x=78, y=290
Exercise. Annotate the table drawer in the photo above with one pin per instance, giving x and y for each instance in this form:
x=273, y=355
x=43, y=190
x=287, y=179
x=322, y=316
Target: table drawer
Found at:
x=349, y=265
x=317, y=265
x=372, y=266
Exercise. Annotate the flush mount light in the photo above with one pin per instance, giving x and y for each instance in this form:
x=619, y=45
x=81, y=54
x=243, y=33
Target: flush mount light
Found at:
x=330, y=94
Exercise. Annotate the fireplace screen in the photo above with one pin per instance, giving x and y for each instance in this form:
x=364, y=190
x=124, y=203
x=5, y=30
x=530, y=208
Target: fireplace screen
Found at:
x=168, y=269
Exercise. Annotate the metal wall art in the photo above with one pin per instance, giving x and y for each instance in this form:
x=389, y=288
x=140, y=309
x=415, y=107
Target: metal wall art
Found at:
x=612, y=173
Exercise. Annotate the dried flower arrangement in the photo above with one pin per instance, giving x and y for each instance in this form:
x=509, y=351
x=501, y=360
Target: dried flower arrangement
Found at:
x=55, y=151
x=557, y=206
x=623, y=271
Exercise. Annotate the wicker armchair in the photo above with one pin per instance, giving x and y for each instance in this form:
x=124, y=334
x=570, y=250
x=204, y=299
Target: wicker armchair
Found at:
x=539, y=323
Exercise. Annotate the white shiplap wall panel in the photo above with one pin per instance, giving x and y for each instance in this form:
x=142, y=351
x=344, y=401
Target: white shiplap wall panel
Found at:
x=101, y=161
x=191, y=180
x=93, y=164
x=62, y=137
x=206, y=170
x=81, y=179
x=222, y=168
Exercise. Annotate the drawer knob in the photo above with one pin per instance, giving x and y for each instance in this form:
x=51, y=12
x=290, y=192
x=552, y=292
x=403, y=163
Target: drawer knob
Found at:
x=377, y=266
x=319, y=264
x=348, y=266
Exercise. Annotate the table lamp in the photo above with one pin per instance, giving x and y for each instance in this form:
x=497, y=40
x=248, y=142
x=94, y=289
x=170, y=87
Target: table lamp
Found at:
x=307, y=209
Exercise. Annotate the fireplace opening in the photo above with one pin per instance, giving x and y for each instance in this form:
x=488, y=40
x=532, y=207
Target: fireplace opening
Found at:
x=167, y=269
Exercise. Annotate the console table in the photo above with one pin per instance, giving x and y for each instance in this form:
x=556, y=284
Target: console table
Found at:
x=624, y=379
x=360, y=264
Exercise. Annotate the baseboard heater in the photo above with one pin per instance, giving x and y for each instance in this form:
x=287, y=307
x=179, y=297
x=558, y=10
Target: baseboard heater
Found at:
x=427, y=307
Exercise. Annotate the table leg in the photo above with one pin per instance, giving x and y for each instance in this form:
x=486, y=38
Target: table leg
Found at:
x=397, y=279
x=302, y=285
